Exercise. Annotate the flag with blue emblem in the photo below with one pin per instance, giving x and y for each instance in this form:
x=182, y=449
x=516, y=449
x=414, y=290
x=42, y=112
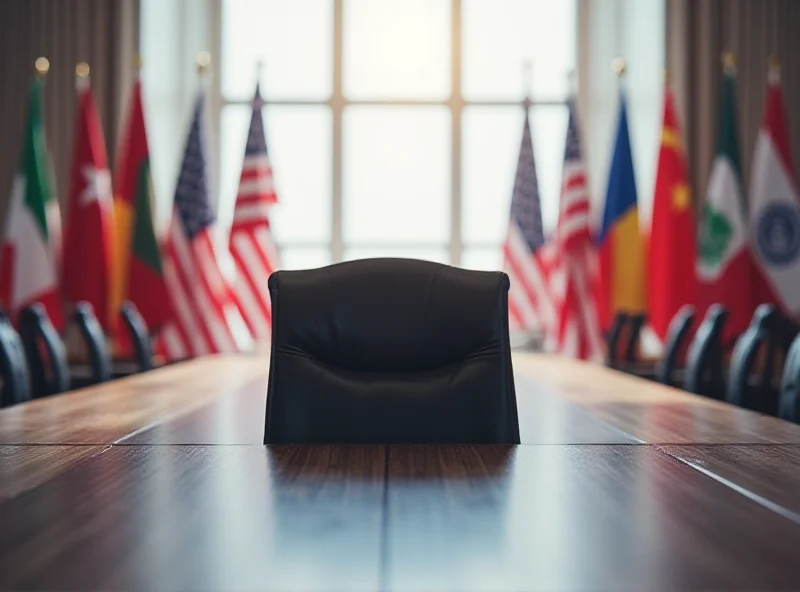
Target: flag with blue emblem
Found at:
x=530, y=306
x=206, y=318
x=251, y=243
x=775, y=207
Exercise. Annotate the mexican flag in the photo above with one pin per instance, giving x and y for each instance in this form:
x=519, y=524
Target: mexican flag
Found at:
x=28, y=261
x=138, y=270
x=775, y=209
x=723, y=264
x=87, y=238
x=671, y=250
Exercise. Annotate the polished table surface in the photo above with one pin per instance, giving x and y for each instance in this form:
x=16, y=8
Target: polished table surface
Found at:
x=160, y=482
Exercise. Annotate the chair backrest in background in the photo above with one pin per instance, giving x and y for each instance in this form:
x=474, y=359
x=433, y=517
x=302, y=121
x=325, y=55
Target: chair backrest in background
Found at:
x=680, y=328
x=45, y=352
x=742, y=391
x=13, y=366
x=95, y=341
x=139, y=335
x=704, y=374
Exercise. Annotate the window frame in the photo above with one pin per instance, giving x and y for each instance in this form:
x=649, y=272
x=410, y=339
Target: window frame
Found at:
x=338, y=103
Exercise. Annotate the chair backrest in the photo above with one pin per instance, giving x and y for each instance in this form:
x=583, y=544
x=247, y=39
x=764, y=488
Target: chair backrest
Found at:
x=13, y=366
x=741, y=391
x=704, y=374
x=45, y=352
x=614, y=338
x=635, y=324
x=680, y=328
x=390, y=351
x=789, y=407
x=95, y=340
x=139, y=335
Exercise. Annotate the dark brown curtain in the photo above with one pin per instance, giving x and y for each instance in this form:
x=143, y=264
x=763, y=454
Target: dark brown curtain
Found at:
x=103, y=33
x=698, y=31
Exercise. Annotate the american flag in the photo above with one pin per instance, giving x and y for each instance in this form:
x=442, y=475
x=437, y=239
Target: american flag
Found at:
x=251, y=243
x=578, y=329
x=206, y=318
x=530, y=304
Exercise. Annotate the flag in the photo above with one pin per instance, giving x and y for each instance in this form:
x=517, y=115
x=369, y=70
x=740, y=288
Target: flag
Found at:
x=206, y=319
x=138, y=268
x=88, y=234
x=774, y=208
x=28, y=260
x=251, y=244
x=621, y=285
x=723, y=263
x=529, y=300
x=671, y=252
x=578, y=329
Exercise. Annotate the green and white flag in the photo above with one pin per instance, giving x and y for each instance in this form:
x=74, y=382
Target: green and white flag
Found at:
x=723, y=265
x=28, y=261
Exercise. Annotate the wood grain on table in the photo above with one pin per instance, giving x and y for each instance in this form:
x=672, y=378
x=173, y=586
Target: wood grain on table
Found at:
x=201, y=518
x=580, y=517
x=649, y=411
x=105, y=413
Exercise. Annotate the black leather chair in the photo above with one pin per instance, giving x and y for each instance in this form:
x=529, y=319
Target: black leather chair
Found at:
x=45, y=352
x=614, y=338
x=13, y=366
x=757, y=394
x=139, y=336
x=789, y=408
x=96, y=345
x=390, y=351
x=680, y=328
x=704, y=374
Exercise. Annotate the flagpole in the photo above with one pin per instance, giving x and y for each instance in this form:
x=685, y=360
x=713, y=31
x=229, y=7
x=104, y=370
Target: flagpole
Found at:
x=203, y=63
x=527, y=84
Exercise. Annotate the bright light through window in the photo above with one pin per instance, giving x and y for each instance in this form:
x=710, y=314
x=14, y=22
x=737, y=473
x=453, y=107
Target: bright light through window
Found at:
x=397, y=49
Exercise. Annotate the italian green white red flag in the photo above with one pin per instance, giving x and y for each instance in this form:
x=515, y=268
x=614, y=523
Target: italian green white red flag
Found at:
x=138, y=268
x=88, y=232
x=775, y=208
x=28, y=260
x=723, y=263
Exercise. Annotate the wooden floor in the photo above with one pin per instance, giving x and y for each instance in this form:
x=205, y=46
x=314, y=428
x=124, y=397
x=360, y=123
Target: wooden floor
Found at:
x=160, y=482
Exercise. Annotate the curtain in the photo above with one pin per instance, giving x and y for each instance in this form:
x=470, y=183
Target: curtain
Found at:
x=103, y=33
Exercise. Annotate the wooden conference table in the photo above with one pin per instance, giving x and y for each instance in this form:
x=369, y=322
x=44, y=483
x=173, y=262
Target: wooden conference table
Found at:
x=160, y=482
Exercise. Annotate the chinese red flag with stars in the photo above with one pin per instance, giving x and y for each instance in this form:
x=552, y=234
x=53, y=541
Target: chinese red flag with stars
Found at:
x=671, y=255
x=87, y=235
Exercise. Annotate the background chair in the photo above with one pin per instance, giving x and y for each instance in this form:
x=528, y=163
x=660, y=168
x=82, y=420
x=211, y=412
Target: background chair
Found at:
x=13, y=366
x=390, y=351
x=789, y=398
x=614, y=339
x=704, y=375
x=139, y=336
x=44, y=351
x=96, y=345
x=680, y=328
x=757, y=394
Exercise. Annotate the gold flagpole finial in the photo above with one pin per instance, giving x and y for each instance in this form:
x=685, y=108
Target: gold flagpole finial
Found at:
x=42, y=66
x=618, y=65
x=138, y=62
x=666, y=77
x=774, y=62
x=729, y=62
x=82, y=70
x=203, y=62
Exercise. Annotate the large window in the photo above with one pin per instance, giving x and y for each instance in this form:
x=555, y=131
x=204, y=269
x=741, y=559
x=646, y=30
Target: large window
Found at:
x=394, y=125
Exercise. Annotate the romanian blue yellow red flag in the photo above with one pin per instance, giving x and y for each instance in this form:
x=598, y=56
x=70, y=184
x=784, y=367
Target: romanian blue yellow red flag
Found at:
x=620, y=248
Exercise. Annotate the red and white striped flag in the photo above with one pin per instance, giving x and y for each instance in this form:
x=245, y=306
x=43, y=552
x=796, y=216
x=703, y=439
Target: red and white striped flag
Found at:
x=205, y=316
x=530, y=304
x=578, y=329
x=251, y=244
